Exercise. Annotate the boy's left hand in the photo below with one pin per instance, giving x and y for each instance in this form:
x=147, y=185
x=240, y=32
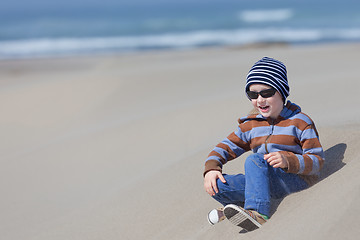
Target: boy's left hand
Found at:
x=276, y=160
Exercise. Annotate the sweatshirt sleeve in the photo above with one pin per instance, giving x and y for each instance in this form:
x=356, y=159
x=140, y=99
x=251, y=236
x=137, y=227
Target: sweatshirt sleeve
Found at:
x=230, y=148
x=312, y=158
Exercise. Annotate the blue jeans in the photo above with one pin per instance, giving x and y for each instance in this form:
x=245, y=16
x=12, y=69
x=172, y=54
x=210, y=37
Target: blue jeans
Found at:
x=260, y=183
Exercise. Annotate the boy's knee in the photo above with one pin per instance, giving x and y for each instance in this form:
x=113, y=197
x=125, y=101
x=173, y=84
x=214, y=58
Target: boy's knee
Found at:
x=221, y=186
x=256, y=159
x=233, y=182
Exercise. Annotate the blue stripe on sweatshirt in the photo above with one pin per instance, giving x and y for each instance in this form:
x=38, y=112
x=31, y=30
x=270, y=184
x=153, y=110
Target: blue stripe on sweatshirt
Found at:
x=303, y=117
x=255, y=132
x=301, y=162
x=316, y=151
x=289, y=130
x=272, y=147
x=224, y=154
x=316, y=164
x=236, y=149
x=308, y=134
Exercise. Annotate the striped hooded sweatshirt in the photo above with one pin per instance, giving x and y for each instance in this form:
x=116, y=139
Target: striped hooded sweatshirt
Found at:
x=293, y=134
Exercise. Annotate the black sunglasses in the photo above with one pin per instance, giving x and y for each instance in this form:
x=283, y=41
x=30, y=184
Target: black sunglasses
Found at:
x=264, y=93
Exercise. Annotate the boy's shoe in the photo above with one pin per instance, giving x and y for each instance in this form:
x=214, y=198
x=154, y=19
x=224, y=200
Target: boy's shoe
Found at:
x=216, y=215
x=247, y=219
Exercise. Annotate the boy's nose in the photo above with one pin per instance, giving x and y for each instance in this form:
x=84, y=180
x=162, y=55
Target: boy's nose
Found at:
x=260, y=99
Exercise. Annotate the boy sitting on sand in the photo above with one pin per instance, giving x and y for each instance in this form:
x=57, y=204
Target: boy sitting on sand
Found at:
x=287, y=154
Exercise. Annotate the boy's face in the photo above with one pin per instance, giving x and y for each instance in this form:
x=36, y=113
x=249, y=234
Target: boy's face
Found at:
x=268, y=107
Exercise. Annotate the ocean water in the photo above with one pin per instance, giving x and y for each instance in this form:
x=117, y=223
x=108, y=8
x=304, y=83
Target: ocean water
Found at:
x=38, y=28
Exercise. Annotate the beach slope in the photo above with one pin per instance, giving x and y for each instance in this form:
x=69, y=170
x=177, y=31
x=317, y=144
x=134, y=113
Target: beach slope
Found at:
x=113, y=147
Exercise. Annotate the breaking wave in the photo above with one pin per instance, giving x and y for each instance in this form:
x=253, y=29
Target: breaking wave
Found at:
x=271, y=15
x=70, y=46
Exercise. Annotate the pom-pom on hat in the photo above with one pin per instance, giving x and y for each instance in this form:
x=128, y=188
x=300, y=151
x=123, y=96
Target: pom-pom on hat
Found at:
x=270, y=72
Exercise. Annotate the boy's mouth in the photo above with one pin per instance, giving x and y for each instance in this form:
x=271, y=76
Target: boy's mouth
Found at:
x=264, y=108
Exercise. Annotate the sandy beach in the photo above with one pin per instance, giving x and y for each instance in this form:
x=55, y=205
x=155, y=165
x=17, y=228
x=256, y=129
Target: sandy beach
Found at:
x=113, y=147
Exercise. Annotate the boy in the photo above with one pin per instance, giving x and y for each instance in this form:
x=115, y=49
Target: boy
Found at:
x=287, y=155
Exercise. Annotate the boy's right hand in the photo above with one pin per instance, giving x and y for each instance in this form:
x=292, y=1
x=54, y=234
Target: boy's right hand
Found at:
x=210, y=181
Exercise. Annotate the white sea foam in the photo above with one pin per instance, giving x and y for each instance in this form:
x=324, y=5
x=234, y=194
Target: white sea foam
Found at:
x=66, y=46
x=269, y=15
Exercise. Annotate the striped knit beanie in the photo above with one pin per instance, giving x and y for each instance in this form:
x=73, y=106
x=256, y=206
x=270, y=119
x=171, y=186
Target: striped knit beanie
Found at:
x=271, y=72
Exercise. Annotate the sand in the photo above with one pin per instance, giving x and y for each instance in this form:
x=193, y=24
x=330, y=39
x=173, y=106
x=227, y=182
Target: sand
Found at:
x=113, y=147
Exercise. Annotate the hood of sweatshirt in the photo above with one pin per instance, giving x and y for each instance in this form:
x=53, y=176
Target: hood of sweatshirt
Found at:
x=289, y=110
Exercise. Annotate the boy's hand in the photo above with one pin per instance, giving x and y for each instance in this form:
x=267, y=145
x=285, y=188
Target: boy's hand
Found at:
x=210, y=181
x=276, y=160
